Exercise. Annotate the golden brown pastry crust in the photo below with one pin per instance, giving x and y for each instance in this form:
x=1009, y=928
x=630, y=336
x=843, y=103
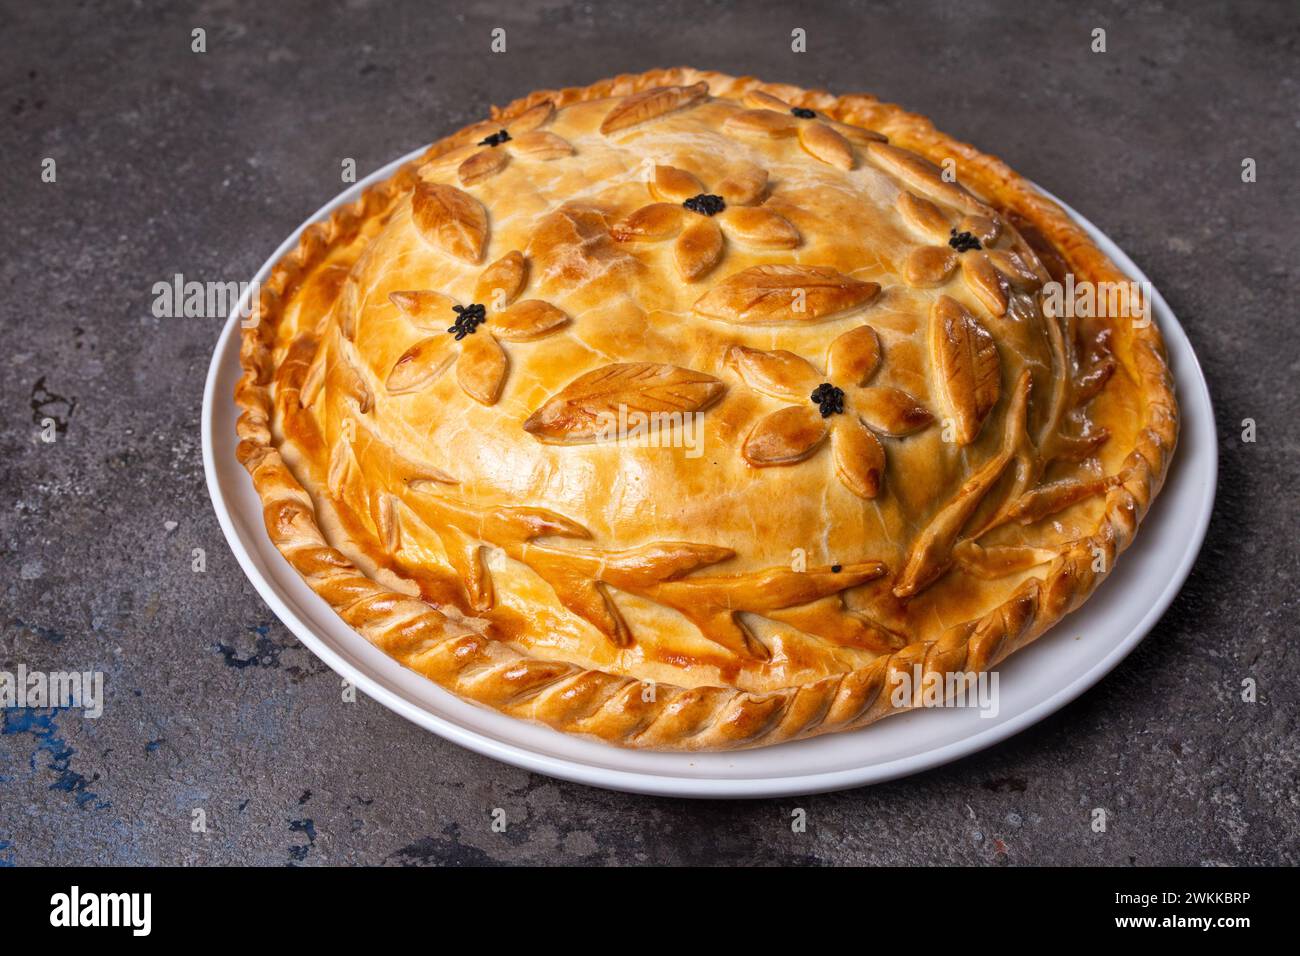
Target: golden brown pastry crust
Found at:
x=1058, y=433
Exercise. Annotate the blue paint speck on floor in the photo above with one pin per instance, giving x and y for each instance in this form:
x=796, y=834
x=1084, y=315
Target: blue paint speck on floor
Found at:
x=299, y=853
x=42, y=725
x=44, y=633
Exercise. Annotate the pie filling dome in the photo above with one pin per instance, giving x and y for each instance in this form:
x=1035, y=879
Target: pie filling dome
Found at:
x=685, y=411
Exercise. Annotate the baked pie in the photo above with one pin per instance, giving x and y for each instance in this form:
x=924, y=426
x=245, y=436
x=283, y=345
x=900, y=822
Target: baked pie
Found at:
x=685, y=411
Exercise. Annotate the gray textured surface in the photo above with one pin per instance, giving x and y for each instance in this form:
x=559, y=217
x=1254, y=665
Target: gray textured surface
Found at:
x=170, y=162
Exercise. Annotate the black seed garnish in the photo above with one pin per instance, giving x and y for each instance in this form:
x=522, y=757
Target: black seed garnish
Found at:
x=963, y=241
x=828, y=399
x=468, y=319
x=836, y=568
x=496, y=139
x=803, y=112
x=706, y=204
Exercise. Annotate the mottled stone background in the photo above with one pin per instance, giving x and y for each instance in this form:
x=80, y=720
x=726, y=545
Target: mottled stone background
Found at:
x=171, y=162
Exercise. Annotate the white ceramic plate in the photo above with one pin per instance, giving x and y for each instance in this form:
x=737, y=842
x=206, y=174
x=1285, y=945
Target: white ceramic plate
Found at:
x=1034, y=682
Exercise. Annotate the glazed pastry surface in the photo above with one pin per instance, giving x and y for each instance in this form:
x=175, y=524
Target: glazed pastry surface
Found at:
x=685, y=411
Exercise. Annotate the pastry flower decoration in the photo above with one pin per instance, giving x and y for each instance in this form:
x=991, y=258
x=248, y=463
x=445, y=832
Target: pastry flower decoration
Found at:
x=992, y=275
x=838, y=405
x=477, y=328
x=697, y=218
x=492, y=153
x=825, y=139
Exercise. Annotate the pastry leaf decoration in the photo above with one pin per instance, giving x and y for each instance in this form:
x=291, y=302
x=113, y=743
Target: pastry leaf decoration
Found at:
x=988, y=285
x=954, y=534
x=929, y=266
x=821, y=141
x=923, y=216
x=931, y=553
x=1056, y=496
x=996, y=562
x=924, y=177
x=714, y=603
x=966, y=359
x=650, y=104
x=543, y=145
x=771, y=294
x=532, y=118
x=502, y=281
x=481, y=165
x=588, y=408
x=584, y=577
x=451, y=221
x=420, y=365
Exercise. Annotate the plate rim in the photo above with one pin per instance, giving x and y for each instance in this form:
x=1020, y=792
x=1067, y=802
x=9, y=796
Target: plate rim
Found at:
x=1191, y=387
